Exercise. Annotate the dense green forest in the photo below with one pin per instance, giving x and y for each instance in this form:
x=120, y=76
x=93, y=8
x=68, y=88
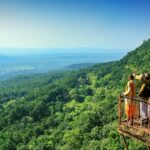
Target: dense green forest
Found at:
x=70, y=110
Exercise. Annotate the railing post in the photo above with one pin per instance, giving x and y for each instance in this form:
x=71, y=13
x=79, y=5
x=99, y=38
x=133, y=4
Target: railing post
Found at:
x=149, y=115
x=119, y=109
x=124, y=142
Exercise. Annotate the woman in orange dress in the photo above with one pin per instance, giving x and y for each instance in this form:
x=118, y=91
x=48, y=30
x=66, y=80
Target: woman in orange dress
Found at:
x=130, y=104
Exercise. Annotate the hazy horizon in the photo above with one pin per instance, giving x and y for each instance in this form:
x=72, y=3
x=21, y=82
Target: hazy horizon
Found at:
x=17, y=64
x=35, y=51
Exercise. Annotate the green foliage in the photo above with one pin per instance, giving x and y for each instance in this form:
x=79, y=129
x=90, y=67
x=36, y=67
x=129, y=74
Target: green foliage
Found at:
x=68, y=110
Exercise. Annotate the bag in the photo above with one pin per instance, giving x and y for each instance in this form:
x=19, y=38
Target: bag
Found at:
x=145, y=92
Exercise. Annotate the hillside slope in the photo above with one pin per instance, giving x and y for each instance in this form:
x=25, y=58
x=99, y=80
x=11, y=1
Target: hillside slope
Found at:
x=68, y=110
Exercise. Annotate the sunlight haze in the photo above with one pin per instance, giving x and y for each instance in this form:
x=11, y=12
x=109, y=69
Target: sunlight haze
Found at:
x=74, y=24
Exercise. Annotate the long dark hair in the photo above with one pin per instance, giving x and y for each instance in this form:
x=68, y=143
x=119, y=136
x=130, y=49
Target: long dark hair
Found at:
x=131, y=77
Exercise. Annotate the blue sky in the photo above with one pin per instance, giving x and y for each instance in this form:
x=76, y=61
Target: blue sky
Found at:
x=112, y=24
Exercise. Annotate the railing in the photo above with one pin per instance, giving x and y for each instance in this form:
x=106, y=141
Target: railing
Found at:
x=139, y=131
x=138, y=101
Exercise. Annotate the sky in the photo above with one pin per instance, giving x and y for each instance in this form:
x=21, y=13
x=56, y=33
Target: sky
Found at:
x=108, y=24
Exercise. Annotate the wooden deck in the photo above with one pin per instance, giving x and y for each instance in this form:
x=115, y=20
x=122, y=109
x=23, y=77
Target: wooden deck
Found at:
x=137, y=131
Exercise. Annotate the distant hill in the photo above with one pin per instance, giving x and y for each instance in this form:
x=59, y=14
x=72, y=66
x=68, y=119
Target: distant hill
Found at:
x=70, y=109
x=78, y=66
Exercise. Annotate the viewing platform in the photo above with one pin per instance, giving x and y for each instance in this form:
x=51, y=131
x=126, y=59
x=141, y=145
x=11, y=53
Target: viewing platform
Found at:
x=139, y=131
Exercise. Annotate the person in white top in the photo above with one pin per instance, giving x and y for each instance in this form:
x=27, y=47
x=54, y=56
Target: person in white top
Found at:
x=144, y=94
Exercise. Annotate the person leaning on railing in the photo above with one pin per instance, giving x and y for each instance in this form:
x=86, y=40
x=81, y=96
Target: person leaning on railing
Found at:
x=144, y=94
x=130, y=104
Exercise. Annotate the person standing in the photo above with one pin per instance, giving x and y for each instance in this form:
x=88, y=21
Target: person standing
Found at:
x=144, y=94
x=130, y=104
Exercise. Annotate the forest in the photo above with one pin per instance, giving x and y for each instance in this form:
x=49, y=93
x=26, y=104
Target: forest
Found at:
x=68, y=110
